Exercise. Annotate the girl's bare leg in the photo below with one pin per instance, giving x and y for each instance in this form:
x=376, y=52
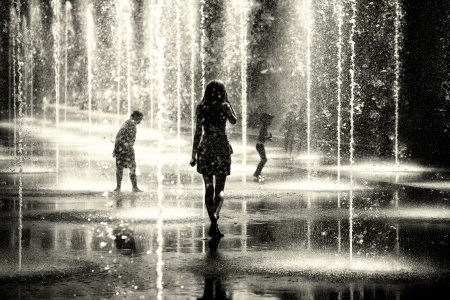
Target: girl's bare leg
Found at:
x=209, y=197
x=219, y=194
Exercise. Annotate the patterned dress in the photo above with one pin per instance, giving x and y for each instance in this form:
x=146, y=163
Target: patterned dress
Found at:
x=123, y=147
x=214, y=150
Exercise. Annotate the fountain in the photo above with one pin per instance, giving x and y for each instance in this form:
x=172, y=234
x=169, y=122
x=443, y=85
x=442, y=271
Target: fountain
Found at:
x=90, y=46
x=68, y=29
x=174, y=73
x=396, y=88
x=56, y=5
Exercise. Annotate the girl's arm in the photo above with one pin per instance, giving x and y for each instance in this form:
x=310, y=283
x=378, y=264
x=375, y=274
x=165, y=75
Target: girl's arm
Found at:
x=197, y=138
x=231, y=115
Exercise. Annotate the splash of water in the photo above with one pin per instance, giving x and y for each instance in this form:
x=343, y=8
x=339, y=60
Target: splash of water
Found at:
x=90, y=45
x=202, y=57
x=352, y=111
x=202, y=40
x=129, y=34
x=26, y=61
x=309, y=24
x=160, y=43
x=398, y=16
x=14, y=33
x=178, y=66
x=68, y=28
x=56, y=5
x=18, y=48
x=339, y=17
x=149, y=44
x=118, y=56
x=35, y=42
x=243, y=25
x=192, y=66
x=11, y=74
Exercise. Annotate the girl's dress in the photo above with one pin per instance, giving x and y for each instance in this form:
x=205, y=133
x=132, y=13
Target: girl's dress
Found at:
x=214, y=150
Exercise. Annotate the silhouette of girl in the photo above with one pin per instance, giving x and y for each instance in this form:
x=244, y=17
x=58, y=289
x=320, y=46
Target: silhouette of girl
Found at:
x=211, y=150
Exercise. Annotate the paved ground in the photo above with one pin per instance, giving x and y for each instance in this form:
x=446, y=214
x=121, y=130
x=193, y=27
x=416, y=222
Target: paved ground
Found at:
x=301, y=234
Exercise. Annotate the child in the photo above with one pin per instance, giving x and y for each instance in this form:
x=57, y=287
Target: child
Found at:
x=124, y=151
x=266, y=120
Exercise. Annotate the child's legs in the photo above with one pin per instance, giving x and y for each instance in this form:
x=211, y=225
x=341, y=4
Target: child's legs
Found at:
x=262, y=154
x=132, y=175
x=119, y=174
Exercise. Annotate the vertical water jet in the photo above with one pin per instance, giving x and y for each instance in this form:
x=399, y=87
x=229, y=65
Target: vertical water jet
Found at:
x=339, y=19
x=129, y=33
x=178, y=84
x=309, y=29
x=11, y=91
x=13, y=38
x=202, y=58
x=35, y=44
x=352, y=111
x=243, y=44
x=118, y=56
x=67, y=28
x=192, y=24
x=56, y=26
x=396, y=88
x=21, y=151
x=202, y=41
x=160, y=45
x=90, y=45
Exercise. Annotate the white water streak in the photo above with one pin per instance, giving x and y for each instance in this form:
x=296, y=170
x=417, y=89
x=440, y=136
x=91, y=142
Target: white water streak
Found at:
x=192, y=64
x=352, y=111
x=339, y=14
x=244, y=23
x=129, y=34
x=178, y=63
x=398, y=16
x=202, y=41
x=68, y=25
x=18, y=44
x=118, y=56
x=56, y=4
x=160, y=44
x=90, y=45
x=309, y=29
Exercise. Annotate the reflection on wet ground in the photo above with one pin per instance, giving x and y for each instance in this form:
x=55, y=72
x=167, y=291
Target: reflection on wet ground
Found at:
x=386, y=242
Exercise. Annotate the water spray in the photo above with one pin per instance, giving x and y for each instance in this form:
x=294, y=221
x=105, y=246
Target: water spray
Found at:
x=19, y=46
x=398, y=16
x=56, y=5
x=352, y=111
x=178, y=63
x=309, y=29
x=339, y=17
x=160, y=43
x=90, y=44
x=244, y=22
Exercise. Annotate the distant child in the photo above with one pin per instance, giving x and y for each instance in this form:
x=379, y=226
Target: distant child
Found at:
x=124, y=151
x=266, y=120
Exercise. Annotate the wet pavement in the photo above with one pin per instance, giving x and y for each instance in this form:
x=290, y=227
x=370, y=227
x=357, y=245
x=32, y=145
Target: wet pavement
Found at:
x=378, y=231
x=298, y=235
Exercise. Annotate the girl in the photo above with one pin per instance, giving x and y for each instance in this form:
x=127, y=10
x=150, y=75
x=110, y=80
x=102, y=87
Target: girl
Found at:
x=211, y=150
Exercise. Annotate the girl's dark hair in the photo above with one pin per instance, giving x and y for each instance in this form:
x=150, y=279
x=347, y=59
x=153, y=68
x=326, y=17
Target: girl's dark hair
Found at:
x=215, y=92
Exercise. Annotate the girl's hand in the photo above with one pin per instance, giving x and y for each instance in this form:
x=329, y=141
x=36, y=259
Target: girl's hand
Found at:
x=193, y=162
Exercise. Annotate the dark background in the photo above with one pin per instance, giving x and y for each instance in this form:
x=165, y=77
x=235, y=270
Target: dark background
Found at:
x=424, y=102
